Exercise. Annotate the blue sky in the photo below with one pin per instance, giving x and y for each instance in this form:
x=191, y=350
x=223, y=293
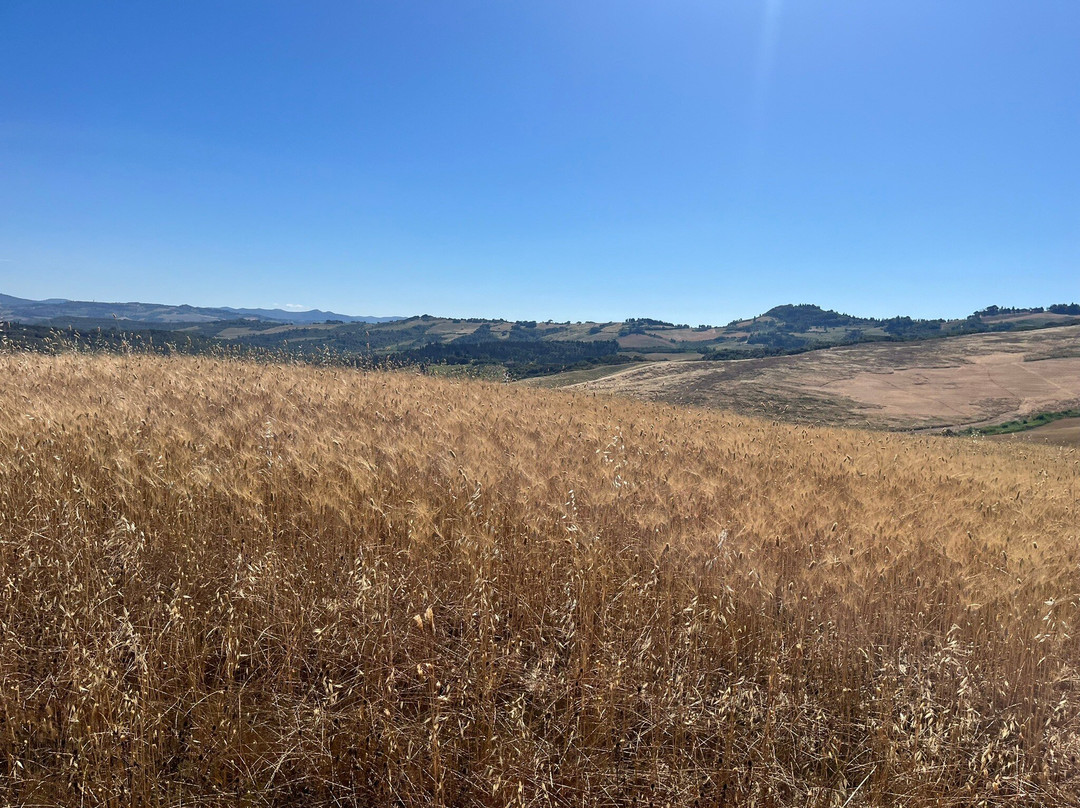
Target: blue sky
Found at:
x=689, y=160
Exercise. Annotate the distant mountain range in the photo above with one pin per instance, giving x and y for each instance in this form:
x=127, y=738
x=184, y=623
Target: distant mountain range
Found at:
x=44, y=311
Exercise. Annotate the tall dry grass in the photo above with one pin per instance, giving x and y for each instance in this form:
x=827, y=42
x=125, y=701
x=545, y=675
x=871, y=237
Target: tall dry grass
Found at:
x=233, y=584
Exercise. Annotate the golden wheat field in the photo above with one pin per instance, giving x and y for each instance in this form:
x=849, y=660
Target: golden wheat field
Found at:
x=239, y=584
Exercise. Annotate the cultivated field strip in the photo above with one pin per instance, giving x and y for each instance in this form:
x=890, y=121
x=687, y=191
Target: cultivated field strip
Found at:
x=238, y=584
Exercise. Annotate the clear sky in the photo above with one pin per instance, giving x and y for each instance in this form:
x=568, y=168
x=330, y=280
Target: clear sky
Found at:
x=692, y=160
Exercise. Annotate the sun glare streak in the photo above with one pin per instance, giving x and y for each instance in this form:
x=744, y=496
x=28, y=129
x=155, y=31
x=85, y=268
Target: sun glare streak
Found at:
x=766, y=58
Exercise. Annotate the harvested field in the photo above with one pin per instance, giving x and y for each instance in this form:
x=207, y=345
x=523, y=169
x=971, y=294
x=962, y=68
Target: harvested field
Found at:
x=571, y=376
x=237, y=584
x=644, y=341
x=954, y=382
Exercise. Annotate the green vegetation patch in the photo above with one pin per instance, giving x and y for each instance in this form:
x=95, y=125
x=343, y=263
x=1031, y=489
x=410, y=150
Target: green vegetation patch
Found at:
x=1022, y=424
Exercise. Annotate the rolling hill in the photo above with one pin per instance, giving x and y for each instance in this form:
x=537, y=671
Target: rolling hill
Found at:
x=594, y=352
x=931, y=384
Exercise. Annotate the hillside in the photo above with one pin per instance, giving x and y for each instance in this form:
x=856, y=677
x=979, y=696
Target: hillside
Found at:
x=956, y=382
x=521, y=349
x=782, y=330
x=237, y=584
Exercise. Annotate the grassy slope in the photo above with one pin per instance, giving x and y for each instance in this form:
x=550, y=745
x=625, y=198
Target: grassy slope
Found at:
x=574, y=376
x=244, y=584
x=1059, y=432
x=1026, y=423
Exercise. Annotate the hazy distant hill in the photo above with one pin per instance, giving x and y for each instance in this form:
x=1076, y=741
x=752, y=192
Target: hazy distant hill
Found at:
x=39, y=311
x=310, y=316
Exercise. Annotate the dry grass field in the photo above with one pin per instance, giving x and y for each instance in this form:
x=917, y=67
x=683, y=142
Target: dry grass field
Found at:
x=954, y=382
x=239, y=584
